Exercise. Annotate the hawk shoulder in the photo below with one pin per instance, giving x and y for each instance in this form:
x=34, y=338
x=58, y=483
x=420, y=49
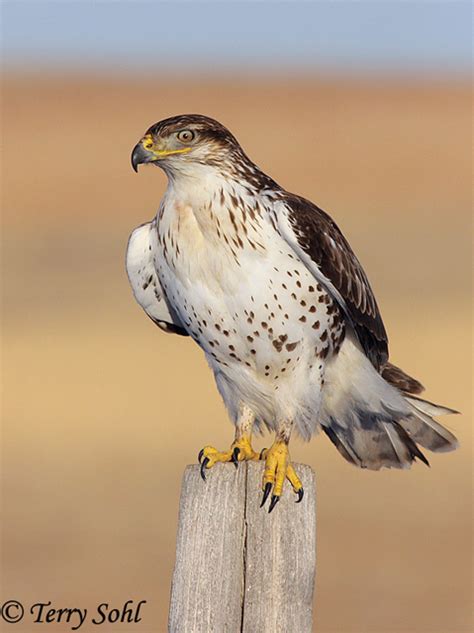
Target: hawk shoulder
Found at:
x=319, y=243
x=145, y=283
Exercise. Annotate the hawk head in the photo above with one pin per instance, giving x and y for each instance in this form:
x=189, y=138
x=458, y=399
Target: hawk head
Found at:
x=181, y=141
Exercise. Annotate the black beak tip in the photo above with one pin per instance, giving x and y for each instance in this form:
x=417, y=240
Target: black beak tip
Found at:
x=139, y=156
x=134, y=160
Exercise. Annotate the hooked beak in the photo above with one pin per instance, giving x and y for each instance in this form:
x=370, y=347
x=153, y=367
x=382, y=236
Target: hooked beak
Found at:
x=141, y=155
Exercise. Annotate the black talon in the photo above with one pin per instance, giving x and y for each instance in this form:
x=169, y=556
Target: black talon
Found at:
x=203, y=468
x=261, y=454
x=201, y=455
x=235, y=456
x=266, y=492
x=300, y=494
x=273, y=502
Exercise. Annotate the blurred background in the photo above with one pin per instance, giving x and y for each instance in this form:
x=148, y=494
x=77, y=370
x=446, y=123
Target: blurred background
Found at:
x=363, y=108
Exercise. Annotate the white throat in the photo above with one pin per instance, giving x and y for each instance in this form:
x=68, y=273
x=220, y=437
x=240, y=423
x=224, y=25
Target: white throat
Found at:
x=200, y=186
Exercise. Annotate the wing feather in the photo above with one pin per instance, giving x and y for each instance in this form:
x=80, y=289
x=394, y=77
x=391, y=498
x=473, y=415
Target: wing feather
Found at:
x=319, y=243
x=145, y=283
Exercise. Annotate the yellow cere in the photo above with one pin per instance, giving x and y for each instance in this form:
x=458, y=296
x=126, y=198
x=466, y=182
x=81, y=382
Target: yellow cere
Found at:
x=147, y=141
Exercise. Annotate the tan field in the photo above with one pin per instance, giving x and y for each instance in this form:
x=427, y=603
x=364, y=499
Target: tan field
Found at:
x=102, y=411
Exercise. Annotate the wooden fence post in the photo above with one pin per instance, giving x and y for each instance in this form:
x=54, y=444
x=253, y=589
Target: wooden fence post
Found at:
x=239, y=569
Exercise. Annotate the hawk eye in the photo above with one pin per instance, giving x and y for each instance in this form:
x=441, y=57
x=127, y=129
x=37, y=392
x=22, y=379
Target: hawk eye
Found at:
x=185, y=136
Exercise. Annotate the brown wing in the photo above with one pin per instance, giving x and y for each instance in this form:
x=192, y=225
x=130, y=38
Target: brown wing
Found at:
x=401, y=380
x=318, y=236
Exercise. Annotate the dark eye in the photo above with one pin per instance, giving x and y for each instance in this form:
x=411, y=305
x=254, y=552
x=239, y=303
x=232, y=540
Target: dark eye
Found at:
x=185, y=136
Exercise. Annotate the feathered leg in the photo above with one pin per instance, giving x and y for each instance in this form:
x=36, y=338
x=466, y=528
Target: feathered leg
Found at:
x=278, y=467
x=241, y=448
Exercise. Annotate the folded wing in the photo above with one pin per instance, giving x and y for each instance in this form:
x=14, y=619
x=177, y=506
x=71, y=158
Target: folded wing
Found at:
x=319, y=243
x=145, y=283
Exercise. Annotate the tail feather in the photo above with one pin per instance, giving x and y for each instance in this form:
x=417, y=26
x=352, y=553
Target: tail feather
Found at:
x=427, y=431
x=430, y=408
x=386, y=444
x=373, y=419
x=410, y=445
x=342, y=445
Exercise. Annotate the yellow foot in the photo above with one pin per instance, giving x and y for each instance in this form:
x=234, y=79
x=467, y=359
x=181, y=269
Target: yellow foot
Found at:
x=278, y=468
x=241, y=450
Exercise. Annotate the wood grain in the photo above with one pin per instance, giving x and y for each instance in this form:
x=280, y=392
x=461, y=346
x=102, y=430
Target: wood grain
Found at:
x=280, y=558
x=239, y=569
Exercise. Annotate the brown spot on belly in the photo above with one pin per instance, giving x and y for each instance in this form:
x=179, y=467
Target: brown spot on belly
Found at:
x=277, y=345
x=324, y=352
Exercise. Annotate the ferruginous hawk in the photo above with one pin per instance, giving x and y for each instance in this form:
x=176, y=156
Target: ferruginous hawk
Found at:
x=266, y=284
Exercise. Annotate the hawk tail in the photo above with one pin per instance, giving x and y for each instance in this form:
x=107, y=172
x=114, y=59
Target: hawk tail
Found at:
x=425, y=430
x=374, y=424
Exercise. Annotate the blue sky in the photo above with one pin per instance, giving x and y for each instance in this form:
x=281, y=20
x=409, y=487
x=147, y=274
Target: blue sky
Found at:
x=404, y=36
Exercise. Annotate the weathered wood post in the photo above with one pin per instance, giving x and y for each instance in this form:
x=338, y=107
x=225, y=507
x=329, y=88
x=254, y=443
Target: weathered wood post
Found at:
x=239, y=569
